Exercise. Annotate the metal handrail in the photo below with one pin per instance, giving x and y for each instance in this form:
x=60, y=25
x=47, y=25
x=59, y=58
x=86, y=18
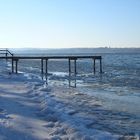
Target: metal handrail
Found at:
x=6, y=52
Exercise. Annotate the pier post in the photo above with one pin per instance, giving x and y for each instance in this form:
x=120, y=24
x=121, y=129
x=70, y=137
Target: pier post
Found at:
x=6, y=55
x=12, y=65
x=69, y=63
x=94, y=65
x=42, y=66
x=75, y=71
x=46, y=66
x=69, y=67
x=101, y=65
x=75, y=67
x=72, y=71
x=16, y=66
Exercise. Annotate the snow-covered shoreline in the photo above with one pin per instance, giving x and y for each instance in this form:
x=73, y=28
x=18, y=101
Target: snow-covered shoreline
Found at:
x=25, y=112
x=31, y=111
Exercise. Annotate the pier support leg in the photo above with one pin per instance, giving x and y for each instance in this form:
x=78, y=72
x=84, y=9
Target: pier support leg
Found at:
x=46, y=66
x=42, y=66
x=6, y=56
x=72, y=70
x=46, y=70
x=101, y=65
x=69, y=67
x=94, y=65
x=75, y=67
x=75, y=72
x=69, y=63
x=12, y=65
x=16, y=66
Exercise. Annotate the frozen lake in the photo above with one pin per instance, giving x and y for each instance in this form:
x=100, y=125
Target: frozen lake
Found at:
x=106, y=102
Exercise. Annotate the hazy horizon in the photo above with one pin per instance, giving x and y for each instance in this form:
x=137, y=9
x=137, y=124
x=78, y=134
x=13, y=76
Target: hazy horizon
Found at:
x=72, y=51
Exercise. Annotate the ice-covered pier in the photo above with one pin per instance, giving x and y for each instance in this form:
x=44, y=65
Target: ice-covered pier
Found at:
x=6, y=54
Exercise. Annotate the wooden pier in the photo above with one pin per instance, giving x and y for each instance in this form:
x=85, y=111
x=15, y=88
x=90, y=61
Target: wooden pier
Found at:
x=71, y=58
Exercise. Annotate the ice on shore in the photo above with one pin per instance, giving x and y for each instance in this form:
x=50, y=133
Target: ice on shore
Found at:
x=26, y=113
x=30, y=111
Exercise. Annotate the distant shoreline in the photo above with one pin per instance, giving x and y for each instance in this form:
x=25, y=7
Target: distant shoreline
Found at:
x=102, y=50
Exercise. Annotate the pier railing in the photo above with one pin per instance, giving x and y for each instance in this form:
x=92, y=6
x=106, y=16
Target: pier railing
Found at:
x=6, y=53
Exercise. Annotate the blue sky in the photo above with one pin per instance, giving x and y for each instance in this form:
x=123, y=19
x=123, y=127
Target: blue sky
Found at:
x=69, y=23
